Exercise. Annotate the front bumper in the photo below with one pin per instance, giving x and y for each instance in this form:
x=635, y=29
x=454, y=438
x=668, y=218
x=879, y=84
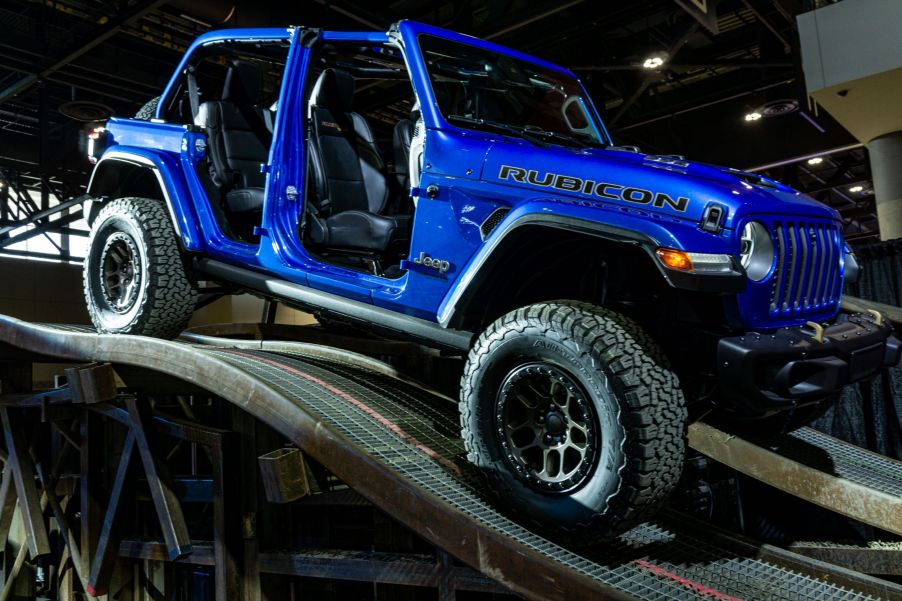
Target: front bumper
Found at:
x=761, y=374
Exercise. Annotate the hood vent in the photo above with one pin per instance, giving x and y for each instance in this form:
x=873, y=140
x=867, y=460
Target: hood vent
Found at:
x=752, y=178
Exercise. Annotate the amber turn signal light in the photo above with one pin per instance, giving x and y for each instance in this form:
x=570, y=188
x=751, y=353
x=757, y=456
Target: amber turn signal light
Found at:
x=675, y=259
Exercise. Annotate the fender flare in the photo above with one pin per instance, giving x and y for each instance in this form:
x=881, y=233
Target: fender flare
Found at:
x=172, y=189
x=655, y=237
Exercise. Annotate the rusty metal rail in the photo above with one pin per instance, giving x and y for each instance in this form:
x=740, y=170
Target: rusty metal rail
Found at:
x=399, y=447
x=815, y=467
x=874, y=557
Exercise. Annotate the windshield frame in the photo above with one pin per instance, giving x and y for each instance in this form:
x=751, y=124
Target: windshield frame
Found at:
x=432, y=114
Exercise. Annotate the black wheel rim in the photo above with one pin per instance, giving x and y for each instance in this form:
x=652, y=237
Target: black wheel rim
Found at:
x=547, y=427
x=120, y=272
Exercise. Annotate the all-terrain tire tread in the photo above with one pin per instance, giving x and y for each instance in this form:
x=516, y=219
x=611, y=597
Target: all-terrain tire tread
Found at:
x=170, y=295
x=652, y=406
x=149, y=110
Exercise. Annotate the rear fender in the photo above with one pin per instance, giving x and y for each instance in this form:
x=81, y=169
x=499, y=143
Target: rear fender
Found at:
x=129, y=171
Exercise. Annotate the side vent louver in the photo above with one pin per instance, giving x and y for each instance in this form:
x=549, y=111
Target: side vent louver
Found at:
x=492, y=221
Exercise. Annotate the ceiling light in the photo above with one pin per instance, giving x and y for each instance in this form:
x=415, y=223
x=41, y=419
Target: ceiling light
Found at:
x=856, y=189
x=753, y=116
x=815, y=160
x=653, y=62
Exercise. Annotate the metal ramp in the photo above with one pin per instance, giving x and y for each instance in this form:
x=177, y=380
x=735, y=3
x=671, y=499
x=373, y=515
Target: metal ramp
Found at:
x=398, y=446
x=815, y=467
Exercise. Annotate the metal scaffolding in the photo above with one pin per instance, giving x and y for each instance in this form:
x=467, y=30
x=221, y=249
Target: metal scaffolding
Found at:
x=37, y=205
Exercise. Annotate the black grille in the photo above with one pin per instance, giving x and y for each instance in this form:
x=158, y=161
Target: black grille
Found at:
x=807, y=275
x=492, y=221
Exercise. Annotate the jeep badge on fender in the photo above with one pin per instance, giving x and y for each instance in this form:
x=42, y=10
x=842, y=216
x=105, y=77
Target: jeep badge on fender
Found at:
x=437, y=264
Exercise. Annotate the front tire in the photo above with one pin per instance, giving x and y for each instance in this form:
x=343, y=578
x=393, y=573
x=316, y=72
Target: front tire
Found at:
x=135, y=281
x=575, y=417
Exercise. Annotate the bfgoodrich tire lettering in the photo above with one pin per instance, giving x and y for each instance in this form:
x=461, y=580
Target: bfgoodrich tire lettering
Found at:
x=134, y=278
x=632, y=396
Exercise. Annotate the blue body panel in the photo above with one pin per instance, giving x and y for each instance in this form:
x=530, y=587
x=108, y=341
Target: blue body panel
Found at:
x=661, y=199
x=161, y=146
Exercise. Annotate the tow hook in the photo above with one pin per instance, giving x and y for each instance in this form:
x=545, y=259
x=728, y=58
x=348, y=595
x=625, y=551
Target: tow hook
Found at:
x=818, y=331
x=878, y=317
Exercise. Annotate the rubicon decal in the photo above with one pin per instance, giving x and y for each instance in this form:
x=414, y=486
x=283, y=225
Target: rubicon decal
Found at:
x=607, y=190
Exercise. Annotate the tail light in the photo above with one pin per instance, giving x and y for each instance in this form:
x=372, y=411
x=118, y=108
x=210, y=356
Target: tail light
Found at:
x=97, y=142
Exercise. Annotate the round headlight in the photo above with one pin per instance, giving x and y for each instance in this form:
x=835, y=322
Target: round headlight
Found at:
x=756, y=252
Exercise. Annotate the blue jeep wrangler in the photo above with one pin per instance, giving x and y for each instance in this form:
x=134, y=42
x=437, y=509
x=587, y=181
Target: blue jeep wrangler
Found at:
x=432, y=186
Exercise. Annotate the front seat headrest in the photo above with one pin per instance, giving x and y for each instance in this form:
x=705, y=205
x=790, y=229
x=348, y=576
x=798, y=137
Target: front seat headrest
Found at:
x=334, y=89
x=242, y=83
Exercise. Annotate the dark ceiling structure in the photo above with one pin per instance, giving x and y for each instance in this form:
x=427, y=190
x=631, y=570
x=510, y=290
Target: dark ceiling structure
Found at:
x=65, y=63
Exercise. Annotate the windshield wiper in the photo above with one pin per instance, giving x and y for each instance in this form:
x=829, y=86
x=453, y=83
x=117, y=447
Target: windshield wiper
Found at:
x=556, y=135
x=503, y=127
x=532, y=133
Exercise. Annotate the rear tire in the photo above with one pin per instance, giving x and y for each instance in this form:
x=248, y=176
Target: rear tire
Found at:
x=575, y=417
x=135, y=281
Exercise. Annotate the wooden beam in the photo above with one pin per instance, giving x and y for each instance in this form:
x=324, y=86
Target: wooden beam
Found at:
x=406, y=569
x=108, y=542
x=227, y=540
x=91, y=458
x=853, y=304
x=23, y=548
x=14, y=572
x=7, y=504
x=95, y=383
x=797, y=466
x=29, y=500
x=203, y=555
x=169, y=511
x=65, y=530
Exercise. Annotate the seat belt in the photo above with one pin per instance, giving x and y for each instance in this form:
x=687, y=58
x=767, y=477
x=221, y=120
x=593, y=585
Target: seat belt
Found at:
x=193, y=97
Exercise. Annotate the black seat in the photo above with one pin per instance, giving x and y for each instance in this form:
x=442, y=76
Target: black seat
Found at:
x=238, y=140
x=349, y=177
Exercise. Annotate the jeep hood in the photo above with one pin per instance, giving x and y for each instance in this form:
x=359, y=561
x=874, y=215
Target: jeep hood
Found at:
x=660, y=184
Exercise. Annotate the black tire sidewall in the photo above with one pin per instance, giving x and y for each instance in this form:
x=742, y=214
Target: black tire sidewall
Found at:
x=545, y=345
x=148, y=110
x=108, y=224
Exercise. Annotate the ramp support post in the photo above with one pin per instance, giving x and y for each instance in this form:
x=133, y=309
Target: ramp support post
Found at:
x=169, y=511
x=108, y=542
x=22, y=468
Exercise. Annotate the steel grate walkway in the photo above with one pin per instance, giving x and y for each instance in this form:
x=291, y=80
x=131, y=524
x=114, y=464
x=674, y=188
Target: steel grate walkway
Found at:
x=850, y=462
